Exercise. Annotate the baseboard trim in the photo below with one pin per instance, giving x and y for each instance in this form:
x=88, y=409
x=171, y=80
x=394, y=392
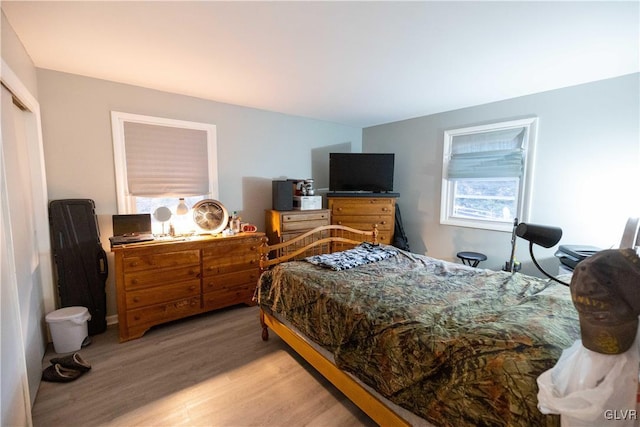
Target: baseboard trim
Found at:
x=112, y=320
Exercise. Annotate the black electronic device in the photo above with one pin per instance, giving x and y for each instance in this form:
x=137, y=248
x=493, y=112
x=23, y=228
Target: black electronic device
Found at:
x=282, y=195
x=131, y=228
x=571, y=255
x=370, y=172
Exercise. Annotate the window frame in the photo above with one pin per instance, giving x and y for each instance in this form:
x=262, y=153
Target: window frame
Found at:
x=126, y=203
x=526, y=180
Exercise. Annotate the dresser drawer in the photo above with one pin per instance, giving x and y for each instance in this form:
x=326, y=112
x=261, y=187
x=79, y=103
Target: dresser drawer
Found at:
x=161, y=260
x=384, y=222
x=230, y=280
x=302, y=226
x=305, y=216
x=154, y=277
x=228, y=296
x=385, y=233
x=150, y=296
x=288, y=236
x=164, y=312
x=241, y=248
x=339, y=209
x=385, y=237
x=213, y=266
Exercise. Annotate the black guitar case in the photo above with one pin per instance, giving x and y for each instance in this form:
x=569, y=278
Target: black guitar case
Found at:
x=400, y=239
x=81, y=262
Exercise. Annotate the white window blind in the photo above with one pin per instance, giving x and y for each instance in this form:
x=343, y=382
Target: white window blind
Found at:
x=496, y=154
x=164, y=161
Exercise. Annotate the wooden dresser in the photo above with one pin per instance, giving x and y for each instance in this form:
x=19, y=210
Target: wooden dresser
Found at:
x=363, y=212
x=281, y=226
x=161, y=281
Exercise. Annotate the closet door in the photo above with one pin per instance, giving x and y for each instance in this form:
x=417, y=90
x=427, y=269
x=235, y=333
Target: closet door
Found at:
x=24, y=307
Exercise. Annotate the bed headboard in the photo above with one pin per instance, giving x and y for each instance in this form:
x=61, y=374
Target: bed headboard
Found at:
x=320, y=240
x=631, y=235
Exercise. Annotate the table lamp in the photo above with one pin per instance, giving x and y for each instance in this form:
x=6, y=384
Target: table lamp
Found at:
x=543, y=235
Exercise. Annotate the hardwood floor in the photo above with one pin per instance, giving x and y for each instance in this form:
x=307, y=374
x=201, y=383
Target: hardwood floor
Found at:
x=208, y=370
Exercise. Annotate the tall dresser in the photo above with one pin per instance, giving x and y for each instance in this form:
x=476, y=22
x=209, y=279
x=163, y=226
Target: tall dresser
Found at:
x=364, y=210
x=161, y=281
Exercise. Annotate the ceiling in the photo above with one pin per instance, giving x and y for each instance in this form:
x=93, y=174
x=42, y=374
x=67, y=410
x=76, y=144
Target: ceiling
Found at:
x=355, y=63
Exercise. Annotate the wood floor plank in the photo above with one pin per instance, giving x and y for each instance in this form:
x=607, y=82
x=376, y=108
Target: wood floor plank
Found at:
x=209, y=370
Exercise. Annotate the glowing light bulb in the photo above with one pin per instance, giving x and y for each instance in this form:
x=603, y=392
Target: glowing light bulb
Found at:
x=182, y=208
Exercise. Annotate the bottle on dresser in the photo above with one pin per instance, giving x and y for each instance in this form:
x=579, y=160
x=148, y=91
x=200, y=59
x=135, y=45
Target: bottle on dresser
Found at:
x=235, y=223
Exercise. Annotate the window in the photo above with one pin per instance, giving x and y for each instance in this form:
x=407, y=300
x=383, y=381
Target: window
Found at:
x=484, y=175
x=159, y=160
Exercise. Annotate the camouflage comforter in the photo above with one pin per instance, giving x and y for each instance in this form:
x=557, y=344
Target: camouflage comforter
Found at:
x=453, y=344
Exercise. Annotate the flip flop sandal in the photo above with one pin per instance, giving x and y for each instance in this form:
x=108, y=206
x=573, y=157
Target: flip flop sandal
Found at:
x=58, y=374
x=72, y=361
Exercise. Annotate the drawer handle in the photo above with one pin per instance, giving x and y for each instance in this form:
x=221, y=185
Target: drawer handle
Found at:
x=385, y=209
x=339, y=222
x=134, y=281
x=383, y=222
x=136, y=299
x=134, y=264
x=339, y=209
x=181, y=304
x=253, y=248
x=136, y=317
x=192, y=288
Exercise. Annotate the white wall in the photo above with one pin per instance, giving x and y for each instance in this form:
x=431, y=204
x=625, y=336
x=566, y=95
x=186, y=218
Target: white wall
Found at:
x=586, y=172
x=14, y=54
x=254, y=146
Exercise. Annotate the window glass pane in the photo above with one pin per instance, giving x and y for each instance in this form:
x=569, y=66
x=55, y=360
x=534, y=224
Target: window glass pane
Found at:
x=486, y=199
x=486, y=174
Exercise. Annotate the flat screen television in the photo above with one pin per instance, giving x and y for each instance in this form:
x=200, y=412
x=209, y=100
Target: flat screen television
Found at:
x=371, y=172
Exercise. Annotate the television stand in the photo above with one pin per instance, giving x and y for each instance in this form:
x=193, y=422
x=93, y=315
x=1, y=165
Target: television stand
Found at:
x=363, y=210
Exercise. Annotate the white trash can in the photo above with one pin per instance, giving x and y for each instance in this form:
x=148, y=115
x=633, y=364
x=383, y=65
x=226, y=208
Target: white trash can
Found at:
x=68, y=328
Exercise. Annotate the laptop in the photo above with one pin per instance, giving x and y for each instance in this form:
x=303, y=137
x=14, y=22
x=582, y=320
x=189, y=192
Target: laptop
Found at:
x=131, y=228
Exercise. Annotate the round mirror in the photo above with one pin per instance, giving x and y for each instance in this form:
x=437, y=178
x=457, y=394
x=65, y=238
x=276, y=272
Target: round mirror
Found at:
x=162, y=214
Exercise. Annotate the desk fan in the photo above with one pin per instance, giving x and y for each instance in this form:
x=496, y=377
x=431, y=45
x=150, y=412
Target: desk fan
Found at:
x=210, y=215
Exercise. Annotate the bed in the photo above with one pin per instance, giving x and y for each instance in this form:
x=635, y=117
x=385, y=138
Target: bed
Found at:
x=413, y=340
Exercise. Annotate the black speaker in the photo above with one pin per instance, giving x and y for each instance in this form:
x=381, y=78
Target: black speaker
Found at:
x=282, y=195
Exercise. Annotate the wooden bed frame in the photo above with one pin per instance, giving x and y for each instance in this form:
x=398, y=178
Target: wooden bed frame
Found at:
x=325, y=239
